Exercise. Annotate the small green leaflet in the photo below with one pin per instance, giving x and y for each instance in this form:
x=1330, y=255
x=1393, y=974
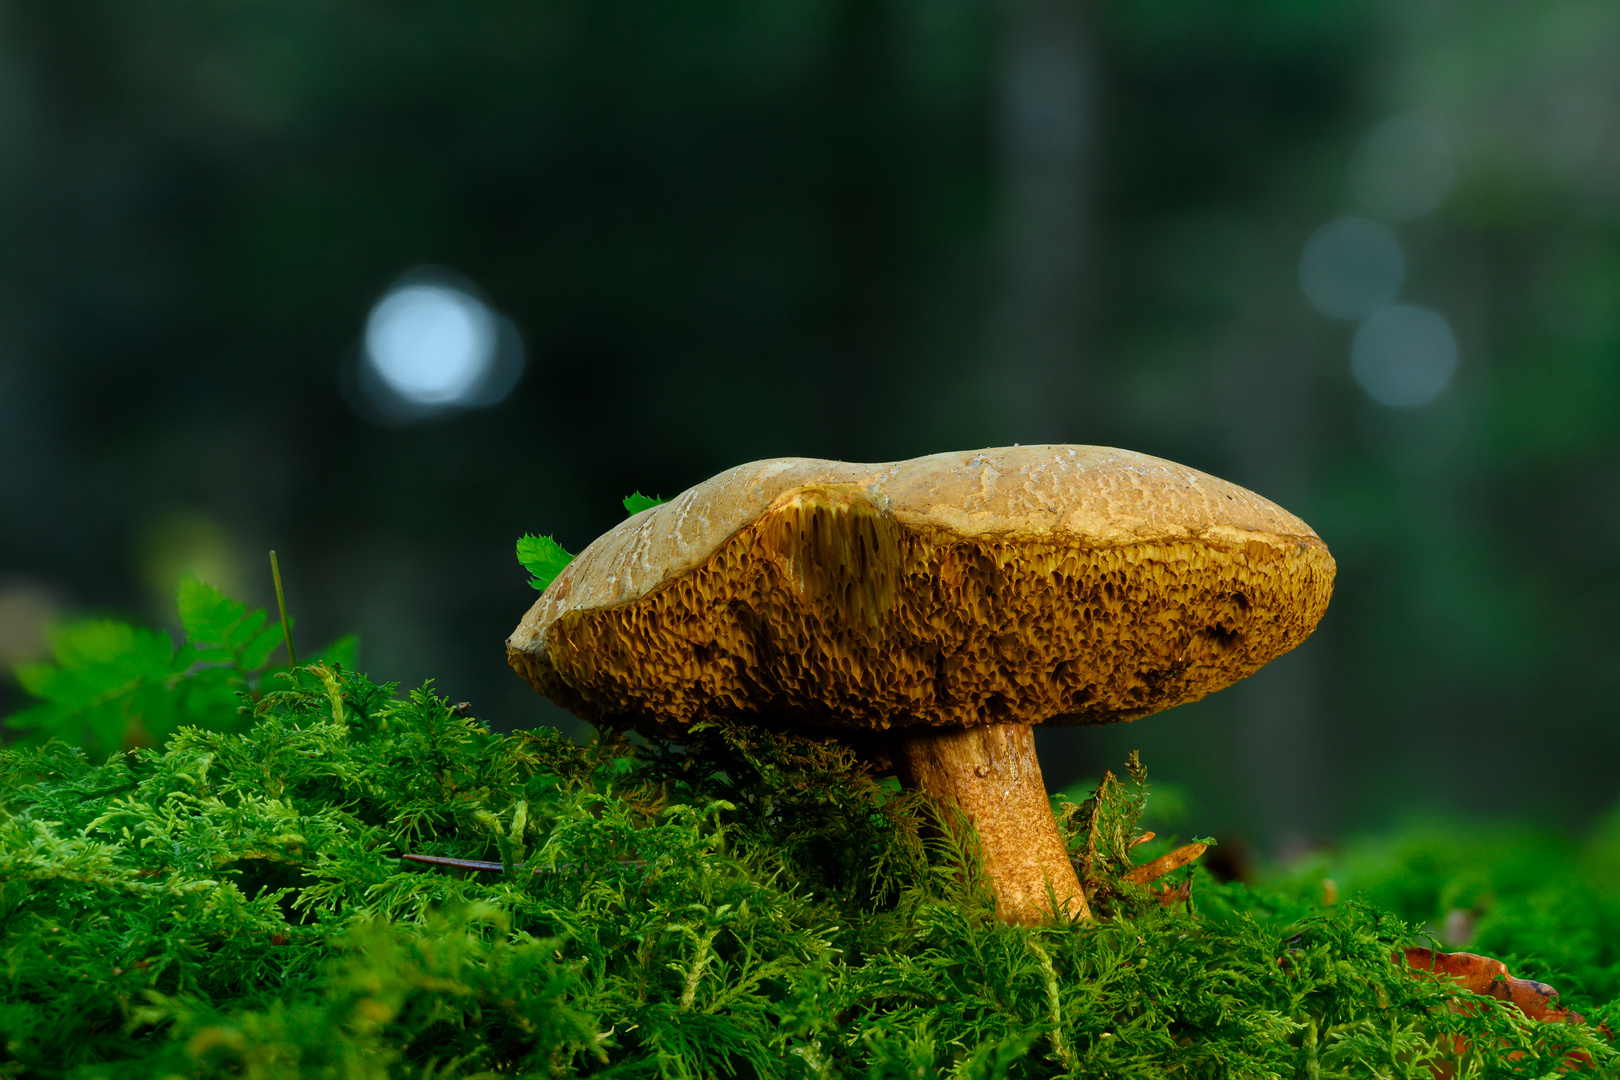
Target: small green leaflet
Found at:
x=636, y=502
x=109, y=678
x=543, y=557
x=223, y=630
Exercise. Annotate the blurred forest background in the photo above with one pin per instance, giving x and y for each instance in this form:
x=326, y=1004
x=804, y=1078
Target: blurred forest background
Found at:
x=1361, y=257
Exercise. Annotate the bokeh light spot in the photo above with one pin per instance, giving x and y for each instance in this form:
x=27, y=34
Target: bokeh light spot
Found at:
x=1351, y=267
x=182, y=542
x=1404, y=169
x=27, y=610
x=432, y=347
x=1403, y=355
x=430, y=344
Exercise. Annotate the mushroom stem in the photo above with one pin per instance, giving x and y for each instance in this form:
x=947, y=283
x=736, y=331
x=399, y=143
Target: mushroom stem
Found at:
x=990, y=772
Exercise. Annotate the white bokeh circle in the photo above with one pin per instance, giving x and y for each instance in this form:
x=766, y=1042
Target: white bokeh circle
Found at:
x=430, y=344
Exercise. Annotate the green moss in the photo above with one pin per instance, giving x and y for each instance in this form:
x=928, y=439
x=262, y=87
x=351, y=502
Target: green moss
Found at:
x=1545, y=903
x=236, y=904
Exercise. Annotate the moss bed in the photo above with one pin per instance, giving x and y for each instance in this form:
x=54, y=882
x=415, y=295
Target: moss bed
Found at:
x=236, y=903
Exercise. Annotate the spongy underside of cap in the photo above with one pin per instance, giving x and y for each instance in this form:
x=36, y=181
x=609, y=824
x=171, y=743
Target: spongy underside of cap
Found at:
x=827, y=612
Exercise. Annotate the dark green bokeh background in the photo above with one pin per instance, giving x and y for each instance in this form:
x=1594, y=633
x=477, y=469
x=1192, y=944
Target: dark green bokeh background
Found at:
x=864, y=229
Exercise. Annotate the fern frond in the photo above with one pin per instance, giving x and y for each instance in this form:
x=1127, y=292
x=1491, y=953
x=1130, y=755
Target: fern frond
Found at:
x=222, y=630
x=543, y=558
x=636, y=502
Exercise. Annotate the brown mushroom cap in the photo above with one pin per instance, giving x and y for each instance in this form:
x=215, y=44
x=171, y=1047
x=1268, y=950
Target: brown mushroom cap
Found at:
x=1026, y=584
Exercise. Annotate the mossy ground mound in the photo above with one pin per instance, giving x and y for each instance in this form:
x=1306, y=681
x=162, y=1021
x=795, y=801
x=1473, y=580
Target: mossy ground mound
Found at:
x=749, y=905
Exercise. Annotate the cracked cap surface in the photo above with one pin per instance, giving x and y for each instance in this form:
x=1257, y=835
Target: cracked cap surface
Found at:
x=1061, y=584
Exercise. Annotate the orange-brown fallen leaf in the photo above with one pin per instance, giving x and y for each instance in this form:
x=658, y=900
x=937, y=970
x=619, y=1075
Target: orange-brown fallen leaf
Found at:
x=1174, y=860
x=1490, y=978
x=1171, y=894
x=1483, y=975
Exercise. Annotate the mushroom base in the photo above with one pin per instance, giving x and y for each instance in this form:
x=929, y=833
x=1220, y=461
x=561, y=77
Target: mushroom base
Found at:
x=990, y=772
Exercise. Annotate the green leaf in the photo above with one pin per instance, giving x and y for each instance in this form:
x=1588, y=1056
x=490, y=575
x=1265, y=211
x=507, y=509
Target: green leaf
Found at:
x=224, y=630
x=636, y=502
x=112, y=686
x=543, y=557
x=95, y=660
x=107, y=683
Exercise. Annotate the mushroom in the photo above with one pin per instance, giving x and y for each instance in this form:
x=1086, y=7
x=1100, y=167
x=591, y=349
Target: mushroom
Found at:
x=947, y=603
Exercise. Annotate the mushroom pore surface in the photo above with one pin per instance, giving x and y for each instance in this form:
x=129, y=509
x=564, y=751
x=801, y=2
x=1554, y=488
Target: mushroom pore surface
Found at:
x=1104, y=587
